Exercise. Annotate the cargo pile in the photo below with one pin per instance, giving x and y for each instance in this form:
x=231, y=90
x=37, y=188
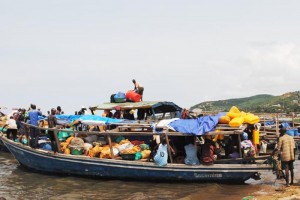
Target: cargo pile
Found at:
x=235, y=118
x=122, y=148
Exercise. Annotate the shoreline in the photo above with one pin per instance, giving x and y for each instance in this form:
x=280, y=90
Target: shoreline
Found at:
x=278, y=190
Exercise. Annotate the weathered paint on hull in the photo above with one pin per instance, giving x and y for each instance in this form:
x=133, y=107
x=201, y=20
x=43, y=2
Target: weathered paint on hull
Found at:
x=120, y=169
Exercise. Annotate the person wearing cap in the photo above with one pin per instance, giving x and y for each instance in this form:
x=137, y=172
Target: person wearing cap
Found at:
x=286, y=145
x=138, y=88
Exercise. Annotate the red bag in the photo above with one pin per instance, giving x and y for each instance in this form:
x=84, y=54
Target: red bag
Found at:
x=133, y=96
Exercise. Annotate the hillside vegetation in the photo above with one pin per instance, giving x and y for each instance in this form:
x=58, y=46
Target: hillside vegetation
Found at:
x=288, y=102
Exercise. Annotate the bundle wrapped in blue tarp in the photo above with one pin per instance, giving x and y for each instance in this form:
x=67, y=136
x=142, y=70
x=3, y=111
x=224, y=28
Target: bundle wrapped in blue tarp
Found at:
x=198, y=126
x=90, y=119
x=269, y=123
x=285, y=125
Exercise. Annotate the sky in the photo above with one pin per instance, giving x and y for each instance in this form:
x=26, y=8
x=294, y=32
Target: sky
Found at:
x=77, y=53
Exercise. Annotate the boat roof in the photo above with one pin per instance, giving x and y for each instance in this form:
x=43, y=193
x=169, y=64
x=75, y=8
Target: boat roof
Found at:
x=157, y=106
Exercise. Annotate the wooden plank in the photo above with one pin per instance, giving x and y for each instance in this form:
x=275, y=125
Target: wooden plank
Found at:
x=142, y=133
x=110, y=147
x=262, y=134
x=57, y=140
x=240, y=148
x=169, y=147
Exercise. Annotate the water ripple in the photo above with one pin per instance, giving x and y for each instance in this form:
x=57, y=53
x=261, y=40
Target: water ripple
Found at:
x=18, y=183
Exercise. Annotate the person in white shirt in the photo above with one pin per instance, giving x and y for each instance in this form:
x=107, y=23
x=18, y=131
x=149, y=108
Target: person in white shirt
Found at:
x=12, y=128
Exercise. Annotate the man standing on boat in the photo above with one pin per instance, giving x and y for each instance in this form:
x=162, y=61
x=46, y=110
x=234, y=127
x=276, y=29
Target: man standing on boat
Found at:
x=138, y=88
x=287, y=146
x=52, y=122
x=34, y=132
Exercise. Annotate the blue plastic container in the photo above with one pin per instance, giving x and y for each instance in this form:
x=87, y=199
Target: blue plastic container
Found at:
x=46, y=146
x=291, y=132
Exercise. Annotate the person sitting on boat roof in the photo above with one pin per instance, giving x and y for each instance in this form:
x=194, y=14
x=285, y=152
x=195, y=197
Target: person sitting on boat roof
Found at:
x=191, y=151
x=138, y=88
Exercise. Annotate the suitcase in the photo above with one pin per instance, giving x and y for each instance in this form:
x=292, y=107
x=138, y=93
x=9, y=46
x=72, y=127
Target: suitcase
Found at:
x=132, y=96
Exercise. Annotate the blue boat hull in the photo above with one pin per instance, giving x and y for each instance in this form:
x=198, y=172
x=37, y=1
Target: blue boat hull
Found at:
x=3, y=147
x=47, y=162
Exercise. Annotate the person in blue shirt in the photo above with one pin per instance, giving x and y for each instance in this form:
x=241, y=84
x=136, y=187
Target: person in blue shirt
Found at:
x=191, y=151
x=33, y=115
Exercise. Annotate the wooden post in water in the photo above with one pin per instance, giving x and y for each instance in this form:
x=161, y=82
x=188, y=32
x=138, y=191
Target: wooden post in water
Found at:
x=293, y=117
x=57, y=140
x=110, y=147
x=169, y=148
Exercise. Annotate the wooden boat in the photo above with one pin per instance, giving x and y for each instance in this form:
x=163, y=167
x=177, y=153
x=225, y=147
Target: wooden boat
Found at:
x=238, y=170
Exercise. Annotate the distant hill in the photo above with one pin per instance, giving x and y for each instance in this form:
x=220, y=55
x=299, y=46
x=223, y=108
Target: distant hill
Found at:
x=288, y=102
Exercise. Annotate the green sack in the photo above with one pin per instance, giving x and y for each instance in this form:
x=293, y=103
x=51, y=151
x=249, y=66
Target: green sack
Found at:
x=138, y=156
x=119, y=139
x=144, y=147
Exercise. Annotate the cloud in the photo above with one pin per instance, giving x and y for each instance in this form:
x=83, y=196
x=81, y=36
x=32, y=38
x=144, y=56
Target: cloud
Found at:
x=271, y=68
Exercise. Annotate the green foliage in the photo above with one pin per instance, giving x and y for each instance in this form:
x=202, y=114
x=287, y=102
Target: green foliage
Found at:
x=288, y=102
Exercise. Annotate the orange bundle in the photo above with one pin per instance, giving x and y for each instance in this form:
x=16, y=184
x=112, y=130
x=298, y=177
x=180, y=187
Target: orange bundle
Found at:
x=224, y=119
x=146, y=154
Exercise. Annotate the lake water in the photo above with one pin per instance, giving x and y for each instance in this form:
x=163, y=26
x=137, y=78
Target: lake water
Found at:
x=19, y=183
